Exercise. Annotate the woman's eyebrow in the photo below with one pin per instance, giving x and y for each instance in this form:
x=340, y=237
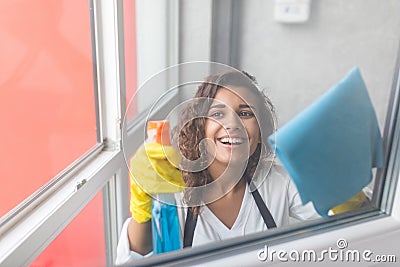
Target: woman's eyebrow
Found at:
x=247, y=106
x=218, y=106
x=240, y=106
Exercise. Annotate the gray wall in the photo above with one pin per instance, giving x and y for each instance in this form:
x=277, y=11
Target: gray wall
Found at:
x=299, y=62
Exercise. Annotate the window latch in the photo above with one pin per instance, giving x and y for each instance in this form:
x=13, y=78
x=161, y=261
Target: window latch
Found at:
x=80, y=184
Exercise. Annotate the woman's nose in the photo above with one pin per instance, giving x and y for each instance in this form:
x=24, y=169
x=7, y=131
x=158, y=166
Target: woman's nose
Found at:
x=233, y=122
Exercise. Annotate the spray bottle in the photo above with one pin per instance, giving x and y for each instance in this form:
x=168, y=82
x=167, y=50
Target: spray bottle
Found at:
x=165, y=223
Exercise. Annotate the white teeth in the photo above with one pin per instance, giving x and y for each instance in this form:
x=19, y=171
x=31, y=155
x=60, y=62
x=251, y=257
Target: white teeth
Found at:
x=231, y=140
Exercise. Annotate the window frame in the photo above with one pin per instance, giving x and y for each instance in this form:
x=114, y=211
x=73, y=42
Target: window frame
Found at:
x=35, y=223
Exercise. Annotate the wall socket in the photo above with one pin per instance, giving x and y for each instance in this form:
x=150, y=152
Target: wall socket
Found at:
x=292, y=11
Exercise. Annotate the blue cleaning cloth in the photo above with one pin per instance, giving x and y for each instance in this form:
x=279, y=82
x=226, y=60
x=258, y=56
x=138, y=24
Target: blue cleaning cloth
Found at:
x=165, y=228
x=330, y=148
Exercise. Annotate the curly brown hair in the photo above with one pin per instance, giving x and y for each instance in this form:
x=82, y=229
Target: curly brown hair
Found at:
x=191, y=128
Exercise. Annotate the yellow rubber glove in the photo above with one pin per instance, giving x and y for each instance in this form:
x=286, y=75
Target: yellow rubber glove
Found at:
x=151, y=172
x=353, y=203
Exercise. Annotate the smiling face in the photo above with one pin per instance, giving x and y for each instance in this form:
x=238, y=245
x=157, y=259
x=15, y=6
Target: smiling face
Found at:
x=232, y=127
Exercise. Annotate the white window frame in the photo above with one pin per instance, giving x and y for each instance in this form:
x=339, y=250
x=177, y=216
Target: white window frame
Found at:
x=26, y=233
x=41, y=218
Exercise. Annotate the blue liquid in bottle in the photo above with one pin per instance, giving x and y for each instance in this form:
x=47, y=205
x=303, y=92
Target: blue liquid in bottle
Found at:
x=166, y=235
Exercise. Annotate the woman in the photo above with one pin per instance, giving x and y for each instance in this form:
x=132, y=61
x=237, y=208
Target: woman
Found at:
x=238, y=189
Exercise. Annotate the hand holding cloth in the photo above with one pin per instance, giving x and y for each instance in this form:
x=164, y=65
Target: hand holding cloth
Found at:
x=330, y=148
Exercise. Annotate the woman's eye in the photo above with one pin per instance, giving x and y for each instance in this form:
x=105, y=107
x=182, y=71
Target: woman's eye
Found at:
x=216, y=114
x=245, y=113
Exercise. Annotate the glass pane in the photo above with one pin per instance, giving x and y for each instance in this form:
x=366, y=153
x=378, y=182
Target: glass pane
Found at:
x=81, y=243
x=130, y=57
x=297, y=64
x=47, y=96
x=144, y=55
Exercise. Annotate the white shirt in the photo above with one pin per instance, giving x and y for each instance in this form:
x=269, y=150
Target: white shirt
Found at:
x=279, y=194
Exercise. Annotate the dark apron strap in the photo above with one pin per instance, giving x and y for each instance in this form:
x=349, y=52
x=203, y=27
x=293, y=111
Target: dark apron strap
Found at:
x=190, y=225
x=266, y=215
x=191, y=221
